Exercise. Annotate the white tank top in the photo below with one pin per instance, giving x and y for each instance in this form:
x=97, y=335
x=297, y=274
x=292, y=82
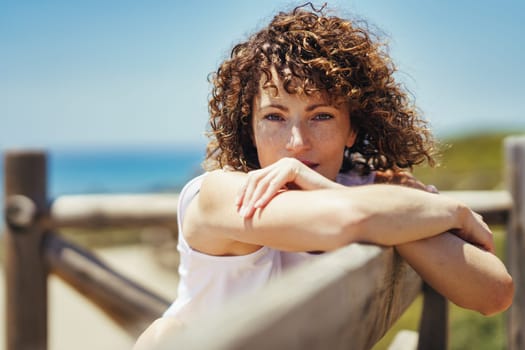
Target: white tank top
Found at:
x=207, y=281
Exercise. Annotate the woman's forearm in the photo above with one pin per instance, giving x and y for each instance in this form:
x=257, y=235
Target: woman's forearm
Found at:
x=393, y=215
x=329, y=218
x=467, y=275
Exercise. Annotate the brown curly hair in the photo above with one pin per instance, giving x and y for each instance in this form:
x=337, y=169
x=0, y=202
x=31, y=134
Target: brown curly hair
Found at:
x=313, y=52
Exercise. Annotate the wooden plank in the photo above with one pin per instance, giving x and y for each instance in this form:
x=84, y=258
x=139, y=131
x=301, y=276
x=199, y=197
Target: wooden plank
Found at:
x=346, y=299
x=122, y=210
x=494, y=206
x=129, y=304
x=433, y=326
x=515, y=255
x=26, y=273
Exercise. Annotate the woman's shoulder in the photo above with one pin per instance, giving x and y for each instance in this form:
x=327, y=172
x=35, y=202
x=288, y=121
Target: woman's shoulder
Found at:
x=206, y=186
x=221, y=180
x=209, y=177
x=210, y=214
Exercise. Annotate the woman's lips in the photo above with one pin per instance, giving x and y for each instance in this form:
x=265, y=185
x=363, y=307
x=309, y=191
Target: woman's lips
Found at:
x=309, y=164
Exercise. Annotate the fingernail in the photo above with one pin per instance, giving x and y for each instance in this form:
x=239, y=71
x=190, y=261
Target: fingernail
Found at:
x=243, y=211
x=432, y=188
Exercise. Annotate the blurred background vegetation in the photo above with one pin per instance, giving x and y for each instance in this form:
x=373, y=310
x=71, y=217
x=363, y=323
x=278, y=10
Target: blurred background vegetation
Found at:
x=471, y=162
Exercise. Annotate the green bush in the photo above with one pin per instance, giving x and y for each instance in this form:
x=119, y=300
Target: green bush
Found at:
x=473, y=162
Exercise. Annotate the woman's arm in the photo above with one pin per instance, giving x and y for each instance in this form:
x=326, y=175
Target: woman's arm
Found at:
x=468, y=276
x=323, y=219
x=262, y=185
x=465, y=274
x=412, y=220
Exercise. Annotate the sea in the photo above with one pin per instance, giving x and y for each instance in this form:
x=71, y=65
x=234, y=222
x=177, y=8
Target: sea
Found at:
x=122, y=170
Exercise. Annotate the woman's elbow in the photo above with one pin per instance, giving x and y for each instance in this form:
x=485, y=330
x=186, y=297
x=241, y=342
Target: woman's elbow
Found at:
x=500, y=297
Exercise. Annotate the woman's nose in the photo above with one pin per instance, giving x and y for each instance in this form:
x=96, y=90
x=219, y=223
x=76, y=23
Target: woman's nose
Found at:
x=298, y=139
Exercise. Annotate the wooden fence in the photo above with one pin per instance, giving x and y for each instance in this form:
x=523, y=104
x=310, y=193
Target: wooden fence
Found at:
x=345, y=299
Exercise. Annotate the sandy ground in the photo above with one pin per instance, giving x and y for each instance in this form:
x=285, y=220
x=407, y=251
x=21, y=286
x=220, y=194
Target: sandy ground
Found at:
x=74, y=323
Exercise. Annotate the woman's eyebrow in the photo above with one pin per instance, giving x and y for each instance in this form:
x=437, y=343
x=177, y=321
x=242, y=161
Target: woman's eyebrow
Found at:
x=284, y=108
x=276, y=105
x=317, y=105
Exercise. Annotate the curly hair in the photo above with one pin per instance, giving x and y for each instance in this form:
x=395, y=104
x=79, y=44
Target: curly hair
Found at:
x=312, y=52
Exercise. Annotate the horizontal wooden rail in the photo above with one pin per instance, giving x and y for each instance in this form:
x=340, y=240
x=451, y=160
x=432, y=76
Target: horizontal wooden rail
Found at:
x=494, y=206
x=135, y=210
x=129, y=304
x=346, y=299
x=122, y=210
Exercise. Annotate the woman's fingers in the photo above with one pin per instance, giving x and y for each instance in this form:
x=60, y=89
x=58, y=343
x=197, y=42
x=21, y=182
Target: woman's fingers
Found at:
x=431, y=189
x=240, y=195
x=477, y=232
x=474, y=231
x=263, y=184
x=250, y=186
x=256, y=186
x=403, y=178
x=272, y=186
x=484, y=233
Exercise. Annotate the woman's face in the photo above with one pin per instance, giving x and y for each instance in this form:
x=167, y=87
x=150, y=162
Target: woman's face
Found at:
x=307, y=128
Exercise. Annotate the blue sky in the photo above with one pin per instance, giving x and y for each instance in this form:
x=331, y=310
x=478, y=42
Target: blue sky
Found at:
x=127, y=73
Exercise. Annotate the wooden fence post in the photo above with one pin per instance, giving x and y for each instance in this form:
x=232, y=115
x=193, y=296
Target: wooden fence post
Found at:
x=515, y=177
x=433, y=326
x=25, y=270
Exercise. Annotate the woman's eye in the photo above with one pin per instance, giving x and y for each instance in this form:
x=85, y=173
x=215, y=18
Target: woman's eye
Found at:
x=323, y=116
x=273, y=117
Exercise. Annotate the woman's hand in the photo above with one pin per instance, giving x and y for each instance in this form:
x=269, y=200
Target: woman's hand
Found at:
x=403, y=178
x=473, y=229
x=467, y=276
x=263, y=184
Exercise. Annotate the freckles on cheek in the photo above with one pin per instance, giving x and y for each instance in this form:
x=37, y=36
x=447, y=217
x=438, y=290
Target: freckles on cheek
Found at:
x=328, y=137
x=265, y=135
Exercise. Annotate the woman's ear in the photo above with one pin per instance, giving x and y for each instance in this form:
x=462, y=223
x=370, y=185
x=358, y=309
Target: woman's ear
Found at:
x=251, y=134
x=351, y=138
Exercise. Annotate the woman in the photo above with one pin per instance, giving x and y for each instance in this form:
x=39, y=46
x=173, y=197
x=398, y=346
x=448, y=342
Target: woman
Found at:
x=310, y=138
